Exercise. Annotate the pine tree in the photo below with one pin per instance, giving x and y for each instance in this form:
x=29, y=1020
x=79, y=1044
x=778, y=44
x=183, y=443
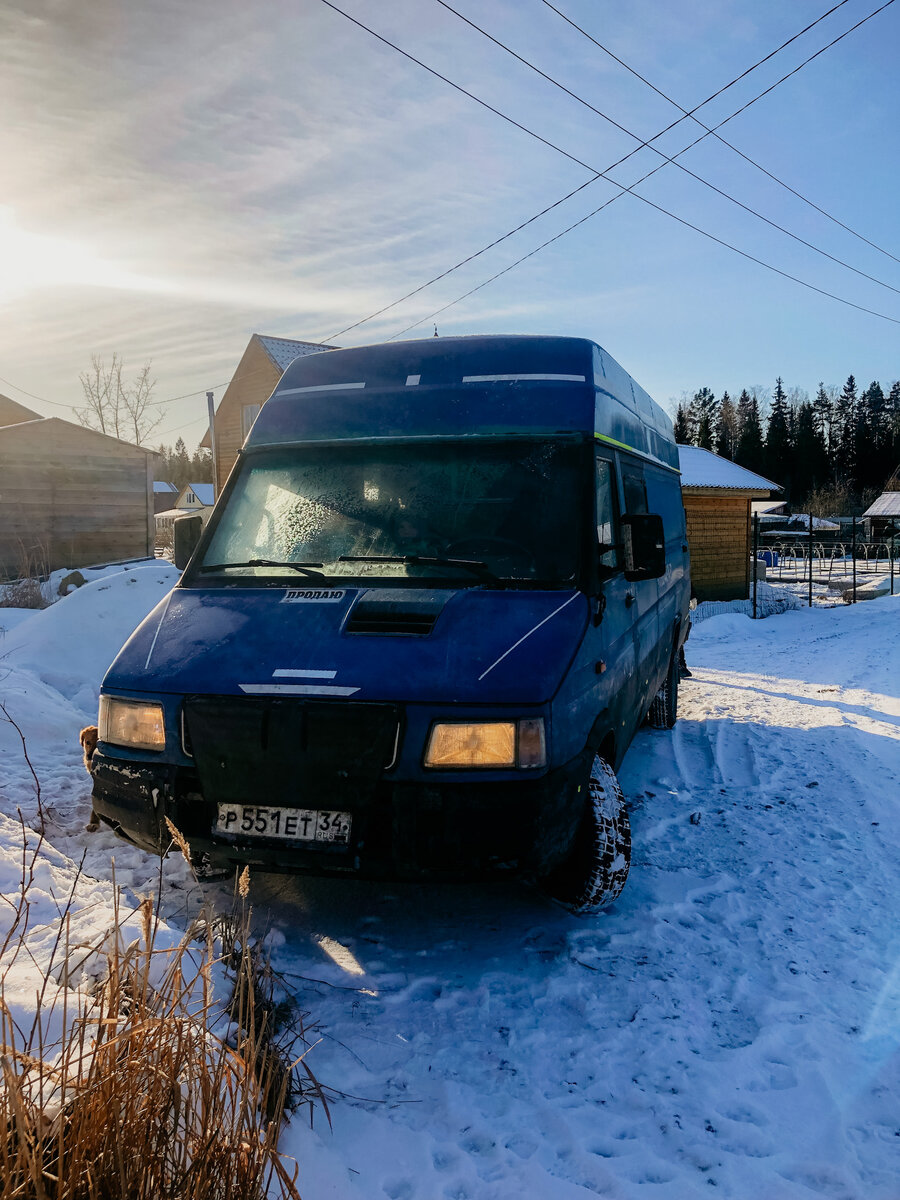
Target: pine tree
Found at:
x=810, y=462
x=726, y=444
x=845, y=449
x=874, y=444
x=824, y=418
x=750, y=448
x=682, y=427
x=201, y=466
x=778, y=440
x=180, y=465
x=893, y=421
x=704, y=411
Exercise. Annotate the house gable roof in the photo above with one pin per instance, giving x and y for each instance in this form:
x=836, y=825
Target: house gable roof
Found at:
x=703, y=469
x=36, y=430
x=887, y=505
x=279, y=352
x=283, y=351
x=203, y=492
x=13, y=413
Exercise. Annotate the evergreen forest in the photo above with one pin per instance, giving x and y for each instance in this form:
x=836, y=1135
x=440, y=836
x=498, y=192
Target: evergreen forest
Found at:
x=178, y=467
x=832, y=454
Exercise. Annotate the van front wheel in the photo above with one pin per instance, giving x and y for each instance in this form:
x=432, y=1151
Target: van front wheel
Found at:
x=594, y=874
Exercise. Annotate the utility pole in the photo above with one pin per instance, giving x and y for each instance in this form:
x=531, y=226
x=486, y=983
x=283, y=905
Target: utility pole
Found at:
x=211, y=409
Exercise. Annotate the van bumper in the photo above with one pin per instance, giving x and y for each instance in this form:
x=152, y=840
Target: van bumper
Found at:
x=399, y=830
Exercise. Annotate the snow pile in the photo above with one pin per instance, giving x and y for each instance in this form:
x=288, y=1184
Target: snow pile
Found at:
x=770, y=601
x=52, y=662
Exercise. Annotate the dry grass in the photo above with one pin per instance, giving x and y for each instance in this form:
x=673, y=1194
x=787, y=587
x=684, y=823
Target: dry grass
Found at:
x=26, y=591
x=140, y=1085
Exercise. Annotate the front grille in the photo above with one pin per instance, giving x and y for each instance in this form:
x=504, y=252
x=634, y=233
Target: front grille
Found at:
x=280, y=751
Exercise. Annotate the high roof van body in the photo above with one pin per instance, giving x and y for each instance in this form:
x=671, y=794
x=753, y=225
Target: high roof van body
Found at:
x=444, y=584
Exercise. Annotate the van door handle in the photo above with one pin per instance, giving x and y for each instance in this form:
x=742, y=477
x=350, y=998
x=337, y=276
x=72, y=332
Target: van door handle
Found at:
x=629, y=599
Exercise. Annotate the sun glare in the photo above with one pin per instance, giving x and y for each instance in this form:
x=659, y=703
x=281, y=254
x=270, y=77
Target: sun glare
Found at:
x=31, y=261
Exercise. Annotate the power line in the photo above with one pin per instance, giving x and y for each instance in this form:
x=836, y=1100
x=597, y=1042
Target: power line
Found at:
x=659, y=208
x=671, y=159
x=599, y=174
x=718, y=137
x=476, y=254
x=32, y=396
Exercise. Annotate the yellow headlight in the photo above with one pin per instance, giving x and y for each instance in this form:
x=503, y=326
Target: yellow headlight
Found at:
x=472, y=744
x=132, y=723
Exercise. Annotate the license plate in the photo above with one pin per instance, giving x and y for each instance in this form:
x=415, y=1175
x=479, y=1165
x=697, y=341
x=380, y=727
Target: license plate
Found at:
x=288, y=824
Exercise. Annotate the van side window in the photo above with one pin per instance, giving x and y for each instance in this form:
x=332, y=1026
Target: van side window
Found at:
x=607, y=531
x=664, y=497
x=635, y=490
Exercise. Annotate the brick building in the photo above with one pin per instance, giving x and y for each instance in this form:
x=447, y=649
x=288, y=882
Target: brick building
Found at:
x=717, y=495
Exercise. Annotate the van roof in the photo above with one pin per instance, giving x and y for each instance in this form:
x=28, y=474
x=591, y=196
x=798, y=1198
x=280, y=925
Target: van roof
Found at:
x=487, y=385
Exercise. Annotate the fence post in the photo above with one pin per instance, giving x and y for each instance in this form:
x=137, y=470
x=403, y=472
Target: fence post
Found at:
x=755, y=559
x=891, y=553
x=853, y=555
x=810, y=557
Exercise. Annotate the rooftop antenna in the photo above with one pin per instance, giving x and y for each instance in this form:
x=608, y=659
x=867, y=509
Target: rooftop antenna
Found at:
x=435, y=331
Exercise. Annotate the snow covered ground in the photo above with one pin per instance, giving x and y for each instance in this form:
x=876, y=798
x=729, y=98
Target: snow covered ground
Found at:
x=730, y=1027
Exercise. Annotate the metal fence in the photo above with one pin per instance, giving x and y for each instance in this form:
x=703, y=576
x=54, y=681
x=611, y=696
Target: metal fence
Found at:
x=846, y=568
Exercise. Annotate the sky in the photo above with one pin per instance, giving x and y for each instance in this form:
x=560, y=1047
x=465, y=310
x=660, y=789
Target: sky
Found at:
x=178, y=177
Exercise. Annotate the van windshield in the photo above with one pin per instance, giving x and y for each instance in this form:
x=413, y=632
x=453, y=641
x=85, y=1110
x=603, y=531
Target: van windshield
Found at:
x=461, y=511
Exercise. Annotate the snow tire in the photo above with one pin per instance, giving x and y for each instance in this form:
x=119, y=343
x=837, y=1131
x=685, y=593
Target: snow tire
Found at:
x=594, y=874
x=664, y=709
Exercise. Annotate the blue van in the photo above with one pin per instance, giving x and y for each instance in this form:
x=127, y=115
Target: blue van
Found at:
x=444, y=584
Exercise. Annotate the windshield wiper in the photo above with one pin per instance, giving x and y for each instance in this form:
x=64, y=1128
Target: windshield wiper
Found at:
x=481, y=569
x=302, y=567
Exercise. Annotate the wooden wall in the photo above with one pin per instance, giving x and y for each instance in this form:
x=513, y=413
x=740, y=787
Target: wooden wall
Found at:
x=253, y=383
x=70, y=497
x=718, y=531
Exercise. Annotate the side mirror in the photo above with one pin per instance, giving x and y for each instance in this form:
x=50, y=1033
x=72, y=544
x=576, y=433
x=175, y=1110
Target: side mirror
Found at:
x=645, y=546
x=186, y=535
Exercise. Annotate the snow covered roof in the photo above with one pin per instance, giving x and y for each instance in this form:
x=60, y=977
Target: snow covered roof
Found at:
x=703, y=469
x=284, y=350
x=766, y=508
x=797, y=520
x=887, y=505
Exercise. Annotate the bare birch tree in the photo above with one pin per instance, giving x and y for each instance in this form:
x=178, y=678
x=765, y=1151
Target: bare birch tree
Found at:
x=116, y=406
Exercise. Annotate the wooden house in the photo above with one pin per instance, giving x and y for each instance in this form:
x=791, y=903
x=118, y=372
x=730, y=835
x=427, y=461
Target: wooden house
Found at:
x=164, y=495
x=717, y=496
x=883, y=517
x=70, y=496
x=261, y=366
x=193, y=498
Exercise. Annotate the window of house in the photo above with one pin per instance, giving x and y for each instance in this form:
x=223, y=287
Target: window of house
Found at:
x=248, y=416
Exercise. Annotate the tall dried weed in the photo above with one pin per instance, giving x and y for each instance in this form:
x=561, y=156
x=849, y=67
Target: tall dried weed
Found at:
x=134, y=1080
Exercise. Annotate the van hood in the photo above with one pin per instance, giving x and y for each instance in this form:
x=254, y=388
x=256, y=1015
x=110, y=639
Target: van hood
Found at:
x=464, y=646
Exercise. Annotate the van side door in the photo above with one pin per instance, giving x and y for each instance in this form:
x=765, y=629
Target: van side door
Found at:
x=643, y=595
x=664, y=497
x=616, y=651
